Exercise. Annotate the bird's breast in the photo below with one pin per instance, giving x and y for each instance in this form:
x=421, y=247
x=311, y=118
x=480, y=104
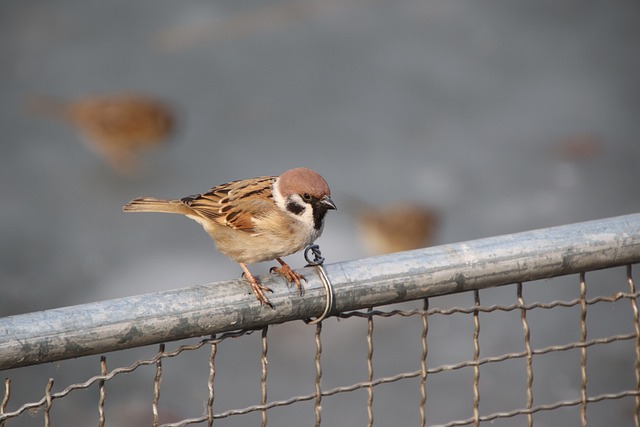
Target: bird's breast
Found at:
x=266, y=242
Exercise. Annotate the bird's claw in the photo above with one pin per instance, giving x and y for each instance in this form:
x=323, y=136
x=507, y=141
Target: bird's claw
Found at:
x=290, y=275
x=259, y=290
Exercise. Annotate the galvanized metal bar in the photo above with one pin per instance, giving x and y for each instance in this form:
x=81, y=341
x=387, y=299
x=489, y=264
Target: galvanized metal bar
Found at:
x=201, y=310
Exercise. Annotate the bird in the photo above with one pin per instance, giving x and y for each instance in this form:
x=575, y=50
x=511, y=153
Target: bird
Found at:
x=117, y=126
x=257, y=219
x=396, y=227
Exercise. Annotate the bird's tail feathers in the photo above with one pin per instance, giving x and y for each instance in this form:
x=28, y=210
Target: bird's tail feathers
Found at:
x=151, y=204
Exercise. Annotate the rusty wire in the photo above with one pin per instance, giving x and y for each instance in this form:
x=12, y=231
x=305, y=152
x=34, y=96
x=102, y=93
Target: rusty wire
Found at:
x=528, y=408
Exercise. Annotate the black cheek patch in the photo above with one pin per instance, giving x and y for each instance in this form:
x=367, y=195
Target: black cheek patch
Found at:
x=319, y=211
x=294, y=208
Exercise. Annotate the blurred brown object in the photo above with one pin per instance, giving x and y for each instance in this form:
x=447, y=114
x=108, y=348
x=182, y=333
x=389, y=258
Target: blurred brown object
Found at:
x=396, y=227
x=116, y=126
x=580, y=146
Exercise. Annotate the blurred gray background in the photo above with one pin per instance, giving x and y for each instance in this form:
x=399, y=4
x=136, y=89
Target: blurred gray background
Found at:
x=504, y=116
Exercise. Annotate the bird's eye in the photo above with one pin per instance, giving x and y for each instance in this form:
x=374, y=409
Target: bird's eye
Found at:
x=306, y=197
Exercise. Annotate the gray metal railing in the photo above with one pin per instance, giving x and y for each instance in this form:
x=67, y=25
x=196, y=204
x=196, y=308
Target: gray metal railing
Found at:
x=202, y=310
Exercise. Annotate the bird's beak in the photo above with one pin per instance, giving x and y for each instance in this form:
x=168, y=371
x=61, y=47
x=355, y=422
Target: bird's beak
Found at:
x=328, y=203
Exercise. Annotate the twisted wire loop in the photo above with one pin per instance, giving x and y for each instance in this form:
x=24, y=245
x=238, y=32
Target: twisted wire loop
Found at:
x=314, y=249
x=317, y=262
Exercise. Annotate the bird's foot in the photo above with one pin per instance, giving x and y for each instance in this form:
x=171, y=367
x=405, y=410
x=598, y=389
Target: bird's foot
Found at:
x=289, y=274
x=258, y=288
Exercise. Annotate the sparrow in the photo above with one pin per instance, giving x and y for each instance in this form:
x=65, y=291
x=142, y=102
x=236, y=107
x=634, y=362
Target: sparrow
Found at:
x=115, y=126
x=400, y=226
x=258, y=219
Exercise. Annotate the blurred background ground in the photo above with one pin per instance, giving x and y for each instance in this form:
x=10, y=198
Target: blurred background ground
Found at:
x=504, y=116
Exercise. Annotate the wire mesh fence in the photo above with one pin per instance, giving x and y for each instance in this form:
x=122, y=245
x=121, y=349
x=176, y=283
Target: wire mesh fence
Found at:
x=544, y=351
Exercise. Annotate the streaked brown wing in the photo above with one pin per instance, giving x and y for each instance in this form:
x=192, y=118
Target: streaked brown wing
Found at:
x=235, y=203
